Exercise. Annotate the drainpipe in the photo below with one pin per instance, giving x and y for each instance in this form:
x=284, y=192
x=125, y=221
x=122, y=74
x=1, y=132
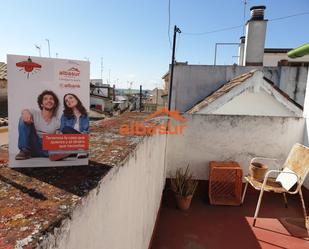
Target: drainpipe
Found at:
x=241, y=51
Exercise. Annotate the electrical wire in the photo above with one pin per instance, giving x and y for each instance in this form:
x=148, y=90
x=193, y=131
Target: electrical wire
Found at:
x=285, y=17
x=213, y=31
x=239, y=26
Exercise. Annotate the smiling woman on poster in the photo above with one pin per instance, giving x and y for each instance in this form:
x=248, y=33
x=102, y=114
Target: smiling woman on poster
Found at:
x=74, y=119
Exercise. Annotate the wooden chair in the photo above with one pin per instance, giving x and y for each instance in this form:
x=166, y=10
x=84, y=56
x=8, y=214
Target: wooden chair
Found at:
x=297, y=161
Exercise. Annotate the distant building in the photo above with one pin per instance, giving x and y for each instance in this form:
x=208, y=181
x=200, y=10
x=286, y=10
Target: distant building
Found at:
x=166, y=79
x=156, y=96
x=101, y=96
x=3, y=90
x=121, y=103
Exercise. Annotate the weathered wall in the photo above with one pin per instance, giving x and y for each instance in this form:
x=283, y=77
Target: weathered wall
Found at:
x=293, y=81
x=121, y=212
x=192, y=83
x=229, y=137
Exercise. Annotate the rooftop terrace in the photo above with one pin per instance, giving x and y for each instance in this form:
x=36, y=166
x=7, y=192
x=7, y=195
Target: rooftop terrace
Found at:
x=206, y=226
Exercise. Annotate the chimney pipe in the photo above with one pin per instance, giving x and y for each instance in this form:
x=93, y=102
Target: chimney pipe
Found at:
x=241, y=51
x=257, y=12
x=255, y=37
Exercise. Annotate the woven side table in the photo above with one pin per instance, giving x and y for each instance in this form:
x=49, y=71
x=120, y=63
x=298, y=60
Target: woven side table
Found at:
x=225, y=183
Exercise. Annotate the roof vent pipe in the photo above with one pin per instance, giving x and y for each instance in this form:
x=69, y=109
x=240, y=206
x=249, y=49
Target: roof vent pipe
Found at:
x=257, y=12
x=241, y=51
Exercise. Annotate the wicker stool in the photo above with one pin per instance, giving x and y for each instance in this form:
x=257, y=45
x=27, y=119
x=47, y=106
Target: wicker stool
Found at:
x=225, y=183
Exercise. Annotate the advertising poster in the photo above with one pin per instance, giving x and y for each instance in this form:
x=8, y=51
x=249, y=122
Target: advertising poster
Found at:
x=48, y=106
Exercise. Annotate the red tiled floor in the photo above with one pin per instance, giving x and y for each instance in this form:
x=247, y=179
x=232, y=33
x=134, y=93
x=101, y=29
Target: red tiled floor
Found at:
x=219, y=227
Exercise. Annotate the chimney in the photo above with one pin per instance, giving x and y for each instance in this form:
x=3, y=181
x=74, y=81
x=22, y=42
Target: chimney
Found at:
x=255, y=37
x=241, y=51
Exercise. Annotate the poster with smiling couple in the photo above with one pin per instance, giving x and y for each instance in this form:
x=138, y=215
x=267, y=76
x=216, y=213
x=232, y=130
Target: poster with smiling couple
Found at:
x=48, y=102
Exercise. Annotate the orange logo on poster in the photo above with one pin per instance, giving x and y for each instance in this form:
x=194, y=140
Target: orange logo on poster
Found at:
x=170, y=128
x=71, y=72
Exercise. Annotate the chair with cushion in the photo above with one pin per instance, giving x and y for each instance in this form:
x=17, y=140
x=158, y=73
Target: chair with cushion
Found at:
x=295, y=166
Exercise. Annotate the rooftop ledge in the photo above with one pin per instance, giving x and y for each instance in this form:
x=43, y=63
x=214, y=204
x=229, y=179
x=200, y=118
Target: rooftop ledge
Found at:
x=33, y=201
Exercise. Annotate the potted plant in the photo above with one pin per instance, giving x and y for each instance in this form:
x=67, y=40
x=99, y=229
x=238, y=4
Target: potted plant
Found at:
x=184, y=187
x=258, y=170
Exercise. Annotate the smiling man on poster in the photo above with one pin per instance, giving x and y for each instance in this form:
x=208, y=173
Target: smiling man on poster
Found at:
x=33, y=124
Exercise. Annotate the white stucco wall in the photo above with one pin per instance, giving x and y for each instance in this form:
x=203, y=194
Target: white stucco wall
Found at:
x=253, y=103
x=228, y=137
x=272, y=59
x=121, y=211
x=306, y=116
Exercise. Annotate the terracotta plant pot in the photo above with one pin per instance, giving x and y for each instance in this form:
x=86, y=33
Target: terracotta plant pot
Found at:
x=258, y=171
x=183, y=202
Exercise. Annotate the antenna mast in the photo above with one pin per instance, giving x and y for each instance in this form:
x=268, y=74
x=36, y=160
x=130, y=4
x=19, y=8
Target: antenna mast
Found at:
x=245, y=6
x=102, y=69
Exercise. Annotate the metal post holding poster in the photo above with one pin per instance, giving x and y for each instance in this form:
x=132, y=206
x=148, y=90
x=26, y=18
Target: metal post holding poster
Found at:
x=48, y=105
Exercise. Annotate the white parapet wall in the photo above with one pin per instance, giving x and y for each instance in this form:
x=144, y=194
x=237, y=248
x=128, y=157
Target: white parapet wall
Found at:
x=231, y=137
x=121, y=212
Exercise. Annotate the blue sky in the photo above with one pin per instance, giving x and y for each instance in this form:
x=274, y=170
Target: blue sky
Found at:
x=132, y=35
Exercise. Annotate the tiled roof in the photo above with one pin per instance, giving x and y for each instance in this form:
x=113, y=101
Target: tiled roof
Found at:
x=3, y=72
x=221, y=91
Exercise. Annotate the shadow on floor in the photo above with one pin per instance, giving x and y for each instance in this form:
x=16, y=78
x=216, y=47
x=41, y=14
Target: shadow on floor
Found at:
x=206, y=226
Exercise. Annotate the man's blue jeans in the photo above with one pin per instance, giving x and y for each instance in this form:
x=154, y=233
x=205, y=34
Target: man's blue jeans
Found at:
x=29, y=141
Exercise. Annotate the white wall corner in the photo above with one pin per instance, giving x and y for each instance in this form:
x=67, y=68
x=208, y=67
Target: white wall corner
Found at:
x=306, y=101
x=305, y=115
